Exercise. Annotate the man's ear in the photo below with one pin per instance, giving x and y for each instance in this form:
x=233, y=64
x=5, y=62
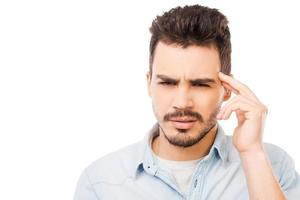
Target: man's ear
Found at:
x=148, y=76
x=227, y=94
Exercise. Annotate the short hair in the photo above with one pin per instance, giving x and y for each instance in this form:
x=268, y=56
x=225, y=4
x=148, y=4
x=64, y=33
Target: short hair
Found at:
x=193, y=25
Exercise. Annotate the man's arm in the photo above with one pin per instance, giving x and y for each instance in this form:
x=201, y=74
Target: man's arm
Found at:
x=247, y=138
x=261, y=181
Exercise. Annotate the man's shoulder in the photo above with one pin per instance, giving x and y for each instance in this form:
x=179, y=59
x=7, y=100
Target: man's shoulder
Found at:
x=275, y=153
x=116, y=166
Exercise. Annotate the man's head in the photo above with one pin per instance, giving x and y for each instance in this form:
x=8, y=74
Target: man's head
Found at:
x=188, y=47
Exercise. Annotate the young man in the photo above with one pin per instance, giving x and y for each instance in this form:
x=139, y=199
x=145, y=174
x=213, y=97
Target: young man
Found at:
x=186, y=154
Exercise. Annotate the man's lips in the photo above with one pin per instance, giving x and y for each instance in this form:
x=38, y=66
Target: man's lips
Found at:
x=183, y=123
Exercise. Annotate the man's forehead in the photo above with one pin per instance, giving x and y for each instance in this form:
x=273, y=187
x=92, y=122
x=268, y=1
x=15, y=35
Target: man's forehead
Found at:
x=171, y=76
x=190, y=63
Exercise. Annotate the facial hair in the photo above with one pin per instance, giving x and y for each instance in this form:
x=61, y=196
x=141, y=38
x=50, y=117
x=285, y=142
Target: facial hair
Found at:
x=188, y=141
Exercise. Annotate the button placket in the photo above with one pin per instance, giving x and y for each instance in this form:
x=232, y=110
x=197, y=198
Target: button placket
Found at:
x=195, y=183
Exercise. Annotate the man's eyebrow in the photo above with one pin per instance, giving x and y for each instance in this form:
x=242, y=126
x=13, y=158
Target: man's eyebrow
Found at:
x=166, y=78
x=193, y=81
x=203, y=81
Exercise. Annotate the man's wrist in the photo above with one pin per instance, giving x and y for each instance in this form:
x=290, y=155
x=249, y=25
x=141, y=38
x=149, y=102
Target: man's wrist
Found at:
x=257, y=150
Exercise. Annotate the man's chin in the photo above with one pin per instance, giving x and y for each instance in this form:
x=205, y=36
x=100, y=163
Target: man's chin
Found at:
x=181, y=138
x=186, y=137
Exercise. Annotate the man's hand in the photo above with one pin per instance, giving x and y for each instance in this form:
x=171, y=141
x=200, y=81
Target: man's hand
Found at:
x=250, y=113
x=247, y=138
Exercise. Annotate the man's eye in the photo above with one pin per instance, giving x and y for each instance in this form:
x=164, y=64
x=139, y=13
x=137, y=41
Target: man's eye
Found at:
x=167, y=83
x=200, y=85
x=172, y=83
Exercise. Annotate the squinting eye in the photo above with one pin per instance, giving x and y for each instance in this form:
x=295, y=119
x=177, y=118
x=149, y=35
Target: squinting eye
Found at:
x=166, y=83
x=201, y=85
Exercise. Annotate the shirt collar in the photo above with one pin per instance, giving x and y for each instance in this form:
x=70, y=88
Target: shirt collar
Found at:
x=146, y=160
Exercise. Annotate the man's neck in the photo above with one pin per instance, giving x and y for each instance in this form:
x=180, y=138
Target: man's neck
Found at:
x=164, y=149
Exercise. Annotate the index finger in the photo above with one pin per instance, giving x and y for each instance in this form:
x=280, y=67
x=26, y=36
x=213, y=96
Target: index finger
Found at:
x=237, y=85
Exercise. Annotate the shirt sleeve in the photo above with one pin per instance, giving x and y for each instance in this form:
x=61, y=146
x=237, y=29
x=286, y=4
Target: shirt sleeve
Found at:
x=84, y=189
x=289, y=179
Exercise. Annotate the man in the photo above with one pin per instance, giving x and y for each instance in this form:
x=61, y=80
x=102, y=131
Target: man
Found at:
x=186, y=154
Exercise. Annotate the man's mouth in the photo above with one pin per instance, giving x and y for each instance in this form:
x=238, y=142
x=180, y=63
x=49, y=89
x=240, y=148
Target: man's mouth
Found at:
x=183, y=123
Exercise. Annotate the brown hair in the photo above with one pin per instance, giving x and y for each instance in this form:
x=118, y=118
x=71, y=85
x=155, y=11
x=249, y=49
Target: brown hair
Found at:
x=193, y=25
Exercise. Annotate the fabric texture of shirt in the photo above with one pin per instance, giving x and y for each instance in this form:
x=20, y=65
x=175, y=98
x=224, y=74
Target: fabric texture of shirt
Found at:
x=133, y=173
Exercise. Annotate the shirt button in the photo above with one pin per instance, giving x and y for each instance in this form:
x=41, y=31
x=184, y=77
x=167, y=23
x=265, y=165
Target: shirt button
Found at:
x=195, y=183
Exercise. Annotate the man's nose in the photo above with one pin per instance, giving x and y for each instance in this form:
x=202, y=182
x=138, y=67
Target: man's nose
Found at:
x=183, y=100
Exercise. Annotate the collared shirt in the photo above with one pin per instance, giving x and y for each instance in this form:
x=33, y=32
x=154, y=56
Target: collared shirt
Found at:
x=132, y=173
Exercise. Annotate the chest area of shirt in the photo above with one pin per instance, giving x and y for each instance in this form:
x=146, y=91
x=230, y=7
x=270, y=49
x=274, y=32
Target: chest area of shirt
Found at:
x=206, y=183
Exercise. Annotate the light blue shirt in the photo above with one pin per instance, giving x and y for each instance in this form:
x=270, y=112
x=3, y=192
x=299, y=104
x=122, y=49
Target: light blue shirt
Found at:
x=133, y=173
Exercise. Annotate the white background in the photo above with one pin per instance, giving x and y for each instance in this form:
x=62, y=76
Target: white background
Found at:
x=73, y=83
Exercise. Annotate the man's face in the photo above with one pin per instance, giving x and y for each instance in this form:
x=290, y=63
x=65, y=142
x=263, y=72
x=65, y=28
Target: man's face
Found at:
x=186, y=92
